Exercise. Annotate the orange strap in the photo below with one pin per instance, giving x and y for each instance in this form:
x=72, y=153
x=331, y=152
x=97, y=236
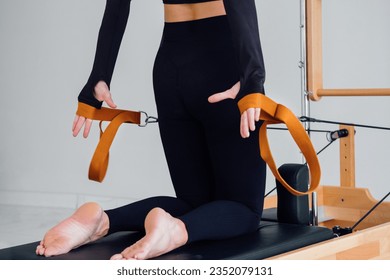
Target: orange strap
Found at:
x=99, y=162
x=273, y=113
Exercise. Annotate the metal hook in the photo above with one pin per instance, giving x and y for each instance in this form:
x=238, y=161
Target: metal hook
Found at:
x=148, y=119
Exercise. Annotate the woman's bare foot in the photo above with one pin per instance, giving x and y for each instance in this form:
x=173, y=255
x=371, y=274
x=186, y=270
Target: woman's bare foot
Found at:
x=164, y=233
x=87, y=224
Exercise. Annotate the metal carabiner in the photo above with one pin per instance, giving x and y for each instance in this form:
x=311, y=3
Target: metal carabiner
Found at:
x=148, y=119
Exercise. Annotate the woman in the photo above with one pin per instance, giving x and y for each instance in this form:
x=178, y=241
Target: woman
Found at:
x=209, y=58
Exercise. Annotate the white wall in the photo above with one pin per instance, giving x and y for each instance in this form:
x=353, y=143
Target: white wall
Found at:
x=46, y=53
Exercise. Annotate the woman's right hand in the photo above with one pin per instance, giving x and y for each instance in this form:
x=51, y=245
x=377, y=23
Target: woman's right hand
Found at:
x=101, y=93
x=248, y=118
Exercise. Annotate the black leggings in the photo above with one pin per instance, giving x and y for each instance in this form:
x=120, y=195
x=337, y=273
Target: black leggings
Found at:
x=218, y=177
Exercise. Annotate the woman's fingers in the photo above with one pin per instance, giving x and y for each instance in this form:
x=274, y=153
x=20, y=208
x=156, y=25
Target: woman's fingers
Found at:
x=257, y=114
x=217, y=97
x=231, y=93
x=109, y=101
x=102, y=93
x=248, y=121
x=244, y=129
x=78, y=124
x=87, y=127
x=251, y=118
x=76, y=118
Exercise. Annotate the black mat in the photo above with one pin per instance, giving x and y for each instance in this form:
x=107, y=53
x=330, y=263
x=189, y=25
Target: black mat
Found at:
x=270, y=239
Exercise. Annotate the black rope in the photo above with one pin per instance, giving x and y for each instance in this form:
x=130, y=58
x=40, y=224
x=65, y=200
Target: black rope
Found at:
x=309, y=119
x=326, y=146
x=307, y=130
x=271, y=191
x=369, y=212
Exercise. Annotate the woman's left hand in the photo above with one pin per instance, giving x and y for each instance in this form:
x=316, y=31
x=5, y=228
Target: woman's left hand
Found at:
x=248, y=118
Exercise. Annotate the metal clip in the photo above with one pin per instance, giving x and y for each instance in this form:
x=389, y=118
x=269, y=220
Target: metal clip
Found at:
x=304, y=119
x=148, y=119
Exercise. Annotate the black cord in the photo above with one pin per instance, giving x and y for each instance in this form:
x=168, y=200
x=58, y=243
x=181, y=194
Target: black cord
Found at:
x=309, y=119
x=307, y=130
x=271, y=191
x=369, y=212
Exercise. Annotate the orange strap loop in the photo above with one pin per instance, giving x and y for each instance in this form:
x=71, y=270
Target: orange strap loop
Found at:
x=273, y=113
x=99, y=162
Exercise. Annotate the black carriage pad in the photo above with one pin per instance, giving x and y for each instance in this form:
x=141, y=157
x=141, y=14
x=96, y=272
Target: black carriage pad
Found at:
x=269, y=240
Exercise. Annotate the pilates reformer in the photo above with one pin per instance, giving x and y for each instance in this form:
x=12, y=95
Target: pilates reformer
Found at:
x=289, y=228
x=349, y=208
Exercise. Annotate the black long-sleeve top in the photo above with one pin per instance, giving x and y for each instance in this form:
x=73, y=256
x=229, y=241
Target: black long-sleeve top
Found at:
x=242, y=17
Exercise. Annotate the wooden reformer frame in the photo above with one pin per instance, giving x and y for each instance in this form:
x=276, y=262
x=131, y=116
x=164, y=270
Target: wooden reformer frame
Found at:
x=342, y=205
x=315, y=85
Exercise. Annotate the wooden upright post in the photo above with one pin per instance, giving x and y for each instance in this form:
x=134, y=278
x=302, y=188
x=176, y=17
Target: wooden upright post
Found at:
x=347, y=158
x=314, y=47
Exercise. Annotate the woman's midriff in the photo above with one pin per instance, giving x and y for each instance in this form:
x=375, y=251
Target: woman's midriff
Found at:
x=188, y=12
